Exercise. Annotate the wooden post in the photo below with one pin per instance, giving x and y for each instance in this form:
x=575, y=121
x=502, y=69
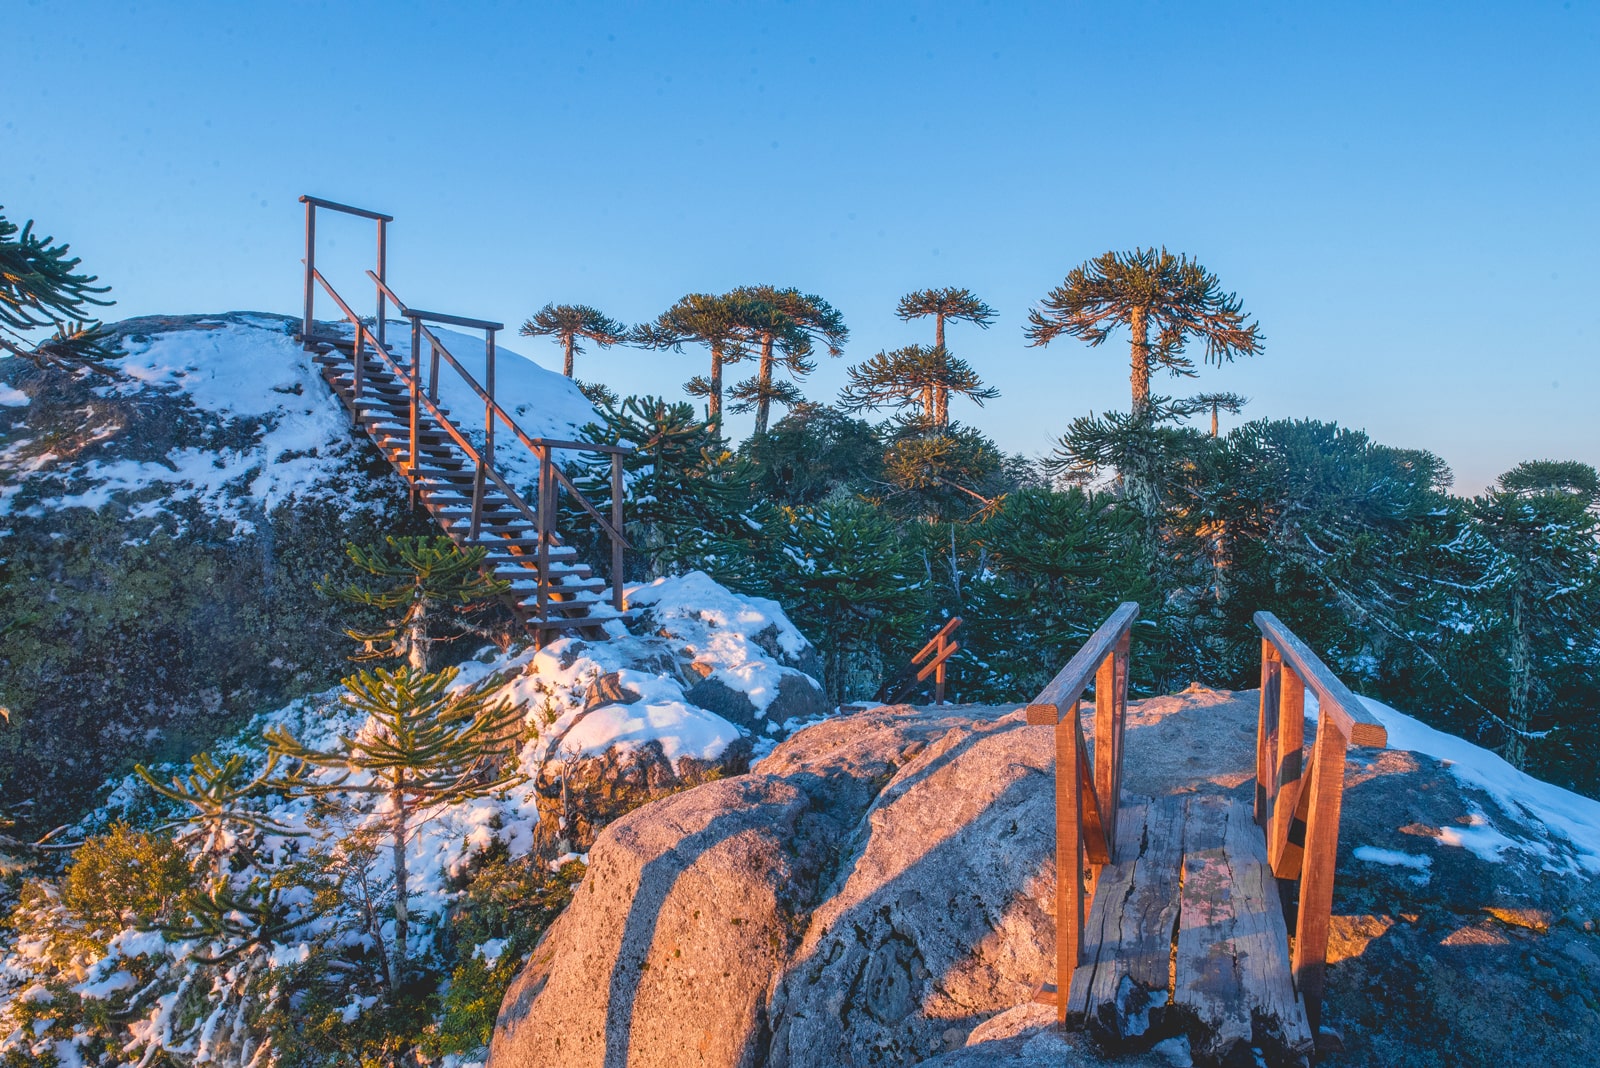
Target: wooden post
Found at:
x=1266, y=727
x=1122, y=654
x=360, y=359
x=938, y=672
x=1283, y=852
x=617, y=601
x=416, y=402
x=1105, y=744
x=383, y=272
x=311, y=266
x=1069, y=859
x=488, y=405
x=433, y=371
x=1326, y=788
x=546, y=524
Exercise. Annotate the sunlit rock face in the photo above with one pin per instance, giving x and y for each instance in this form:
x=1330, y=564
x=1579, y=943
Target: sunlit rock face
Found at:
x=877, y=892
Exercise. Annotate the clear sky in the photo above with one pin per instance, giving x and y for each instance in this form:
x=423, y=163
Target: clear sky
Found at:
x=1404, y=195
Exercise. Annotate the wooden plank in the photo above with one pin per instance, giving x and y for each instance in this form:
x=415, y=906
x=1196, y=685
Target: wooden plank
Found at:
x=1123, y=997
x=1064, y=690
x=1357, y=724
x=1266, y=726
x=1232, y=985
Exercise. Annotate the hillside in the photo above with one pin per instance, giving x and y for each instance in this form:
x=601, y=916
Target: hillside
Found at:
x=160, y=531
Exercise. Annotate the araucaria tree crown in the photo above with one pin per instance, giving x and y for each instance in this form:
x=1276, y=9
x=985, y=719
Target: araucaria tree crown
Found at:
x=40, y=287
x=569, y=322
x=1148, y=292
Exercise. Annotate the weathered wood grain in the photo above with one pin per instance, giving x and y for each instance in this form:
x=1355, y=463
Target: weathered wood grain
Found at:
x=1232, y=983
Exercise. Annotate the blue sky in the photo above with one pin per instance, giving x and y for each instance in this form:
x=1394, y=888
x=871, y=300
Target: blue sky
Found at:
x=1404, y=195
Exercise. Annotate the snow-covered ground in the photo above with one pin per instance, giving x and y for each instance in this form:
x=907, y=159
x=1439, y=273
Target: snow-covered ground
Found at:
x=693, y=621
x=270, y=425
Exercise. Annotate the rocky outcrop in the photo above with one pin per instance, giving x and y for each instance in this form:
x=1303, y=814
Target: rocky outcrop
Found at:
x=876, y=892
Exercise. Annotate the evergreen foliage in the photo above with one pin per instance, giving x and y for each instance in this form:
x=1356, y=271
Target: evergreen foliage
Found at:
x=423, y=746
x=40, y=287
x=944, y=304
x=1225, y=402
x=221, y=795
x=1147, y=290
x=721, y=323
x=784, y=325
x=916, y=381
x=569, y=322
x=415, y=577
x=813, y=453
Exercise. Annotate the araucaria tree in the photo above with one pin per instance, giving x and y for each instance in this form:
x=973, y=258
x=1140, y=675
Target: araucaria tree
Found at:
x=784, y=325
x=1232, y=403
x=944, y=304
x=718, y=322
x=1149, y=292
x=40, y=288
x=421, y=747
x=413, y=577
x=1541, y=522
x=569, y=322
x=916, y=378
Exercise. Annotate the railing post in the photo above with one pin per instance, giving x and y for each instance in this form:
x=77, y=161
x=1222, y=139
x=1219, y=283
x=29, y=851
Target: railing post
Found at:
x=416, y=402
x=616, y=526
x=1069, y=858
x=1105, y=745
x=1266, y=727
x=360, y=358
x=383, y=275
x=433, y=370
x=488, y=405
x=1326, y=787
x=1285, y=747
x=938, y=671
x=311, y=266
x=546, y=506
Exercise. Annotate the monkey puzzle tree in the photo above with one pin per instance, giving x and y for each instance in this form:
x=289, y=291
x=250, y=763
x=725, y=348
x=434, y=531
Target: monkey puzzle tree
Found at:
x=914, y=377
x=39, y=288
x=420, y=747
x=1147, y=290
x=414, y=577
x=943, y=304
x=1541, y=521
x=569, y=322
x=721, y=323
x=221, y=794
x=1232, y=403
x=792, y=322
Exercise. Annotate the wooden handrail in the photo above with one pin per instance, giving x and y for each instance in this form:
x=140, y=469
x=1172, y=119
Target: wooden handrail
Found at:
x=453, y=320
x=333, y=205
x=1088, y=793
x=1299, y=809
x=937, y=652
x=1333, y=697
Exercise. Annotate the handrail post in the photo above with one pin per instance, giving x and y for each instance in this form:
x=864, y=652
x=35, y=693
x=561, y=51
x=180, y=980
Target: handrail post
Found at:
x=416, y=403
x=1105, y=745
x=383, y=274
x=546, y=506
x=1069, y=858
x=433, y=370
x=1285, y=748
x=1326, y=788
x=311, y=266
x=488, y=404
x=1267, y=728
x=938, y=671
x=360, y=358
x=616, y=537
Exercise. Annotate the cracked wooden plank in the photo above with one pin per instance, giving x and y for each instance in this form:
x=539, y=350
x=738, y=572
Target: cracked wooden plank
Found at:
x=1232, y=983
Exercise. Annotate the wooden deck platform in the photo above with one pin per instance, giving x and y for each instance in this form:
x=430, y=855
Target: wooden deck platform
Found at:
x=1186, y=934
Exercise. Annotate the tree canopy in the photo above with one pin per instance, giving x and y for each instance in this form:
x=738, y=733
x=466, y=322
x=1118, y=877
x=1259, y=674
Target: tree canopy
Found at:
x=569, y=322
x=41, y=288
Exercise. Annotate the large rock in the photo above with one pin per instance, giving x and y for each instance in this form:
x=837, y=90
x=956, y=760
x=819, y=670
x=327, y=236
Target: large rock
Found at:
x=891, y=874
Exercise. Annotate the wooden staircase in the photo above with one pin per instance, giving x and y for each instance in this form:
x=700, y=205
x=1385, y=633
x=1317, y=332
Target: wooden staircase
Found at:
x=393, y=398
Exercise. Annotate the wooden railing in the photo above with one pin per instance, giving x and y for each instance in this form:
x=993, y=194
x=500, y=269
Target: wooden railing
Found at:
x=929, y=660
x=426, y=399
x=1088, y=794
x=1299, y=808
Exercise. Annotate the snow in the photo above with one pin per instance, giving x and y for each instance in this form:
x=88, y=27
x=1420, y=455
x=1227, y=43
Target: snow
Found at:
x=1571, y=822
x=12, y=398
x=248, y=375
x=1393, y=858
x=681, y=729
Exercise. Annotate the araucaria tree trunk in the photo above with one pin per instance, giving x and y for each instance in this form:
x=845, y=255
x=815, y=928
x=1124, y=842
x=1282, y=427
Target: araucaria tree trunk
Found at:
x=401, y=889
x=417, y=636
x=764, y=382
x=566, y=347
x=1520, y=711
x=1139, y=326
x=941, y=395
x=714, y=403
